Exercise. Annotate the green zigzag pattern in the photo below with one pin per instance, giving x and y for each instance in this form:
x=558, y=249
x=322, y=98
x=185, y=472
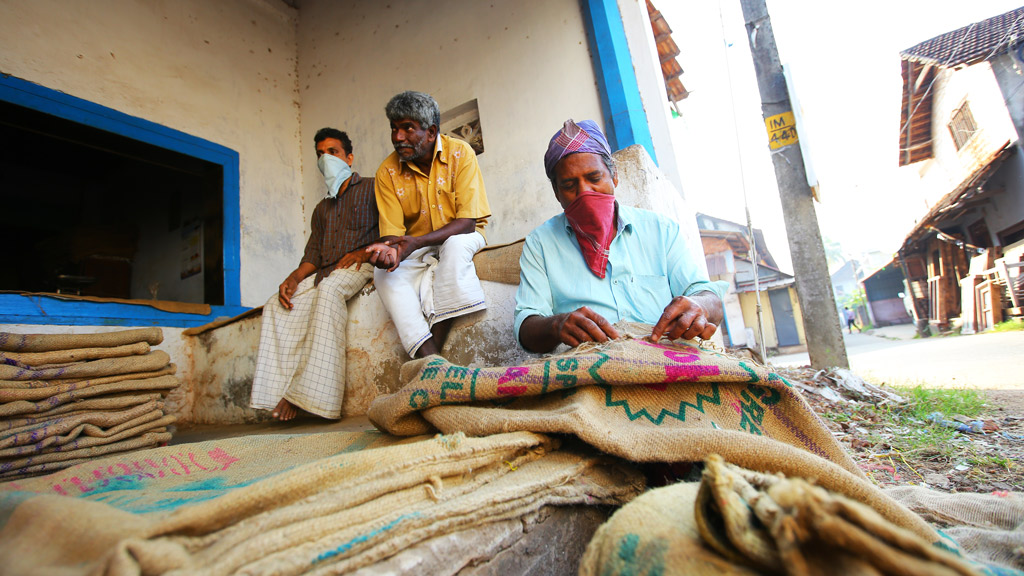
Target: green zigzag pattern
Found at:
x=680, y=414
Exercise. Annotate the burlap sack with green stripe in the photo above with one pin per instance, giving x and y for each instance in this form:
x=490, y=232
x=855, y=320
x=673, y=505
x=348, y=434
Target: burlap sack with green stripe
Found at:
x=632, y=398
x=11, y=342
x=645, y=402
x=740, y=522
x=310, y=504
x=988, y=527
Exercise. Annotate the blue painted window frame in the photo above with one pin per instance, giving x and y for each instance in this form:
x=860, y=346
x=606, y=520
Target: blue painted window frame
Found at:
x=22, y=309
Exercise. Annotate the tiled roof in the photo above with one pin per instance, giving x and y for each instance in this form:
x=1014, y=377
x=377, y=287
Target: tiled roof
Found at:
x=667, y=52
x=971, y=43
x=963, y=46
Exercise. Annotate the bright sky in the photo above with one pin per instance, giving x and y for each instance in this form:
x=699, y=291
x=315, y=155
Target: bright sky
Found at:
x=844, y=60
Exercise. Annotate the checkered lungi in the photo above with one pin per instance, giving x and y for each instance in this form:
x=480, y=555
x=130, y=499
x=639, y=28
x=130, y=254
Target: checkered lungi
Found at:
x=432, y=284
x=301, y=355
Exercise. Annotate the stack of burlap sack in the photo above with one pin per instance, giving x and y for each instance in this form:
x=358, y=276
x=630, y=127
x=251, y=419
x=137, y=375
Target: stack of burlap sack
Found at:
x=66, y=398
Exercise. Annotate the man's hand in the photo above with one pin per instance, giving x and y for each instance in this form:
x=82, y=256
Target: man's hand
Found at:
x=583, y=325
x=544, y=333
x=382, y=256
x=390, y=253
x=286, y=291
x=685, y=317
x=355, y=257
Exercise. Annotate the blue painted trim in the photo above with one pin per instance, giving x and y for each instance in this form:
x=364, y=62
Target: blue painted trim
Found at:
x=20, y=309
x=36, y=97
x=624, y=118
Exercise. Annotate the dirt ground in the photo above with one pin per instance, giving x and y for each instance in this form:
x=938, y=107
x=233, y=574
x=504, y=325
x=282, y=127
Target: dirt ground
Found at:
x=895, y=447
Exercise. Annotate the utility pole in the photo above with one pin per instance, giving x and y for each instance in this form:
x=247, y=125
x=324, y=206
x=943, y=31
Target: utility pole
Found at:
x=814, y=287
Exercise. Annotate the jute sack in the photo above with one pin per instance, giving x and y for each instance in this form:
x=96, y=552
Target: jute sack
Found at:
x=325, y=503
x=39, y=359
x=84, y=435
x=499, y=263
x=154, y=360
x=19, y=457
x=10, y=342
x=62, y=429
x=112, y=402
x=53, y=461
x=20, y=407
x=642, y=402
x=736, y=521
x=989, y=527
x=40, y=389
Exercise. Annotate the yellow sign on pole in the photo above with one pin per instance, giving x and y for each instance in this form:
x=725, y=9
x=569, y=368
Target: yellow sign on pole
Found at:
x=781, y=130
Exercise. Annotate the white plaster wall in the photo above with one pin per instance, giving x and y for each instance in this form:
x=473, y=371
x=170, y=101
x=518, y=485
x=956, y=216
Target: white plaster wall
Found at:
x=951, y=166
x=223, y=71
x=526, y=62
x=1009, y=74
x=647, y=65
x=1008, y=207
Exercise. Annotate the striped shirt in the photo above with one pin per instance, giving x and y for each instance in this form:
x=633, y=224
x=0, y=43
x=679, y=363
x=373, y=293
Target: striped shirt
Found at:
x=341, y=225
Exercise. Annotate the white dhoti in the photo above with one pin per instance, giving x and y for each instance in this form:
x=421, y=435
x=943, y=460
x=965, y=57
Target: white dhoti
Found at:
x=432, y=284
x=301, y=355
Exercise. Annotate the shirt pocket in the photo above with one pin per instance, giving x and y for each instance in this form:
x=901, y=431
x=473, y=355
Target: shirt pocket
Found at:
x=652, y=291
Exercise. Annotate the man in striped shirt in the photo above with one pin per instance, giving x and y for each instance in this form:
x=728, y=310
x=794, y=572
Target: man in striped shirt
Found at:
x=300, y=364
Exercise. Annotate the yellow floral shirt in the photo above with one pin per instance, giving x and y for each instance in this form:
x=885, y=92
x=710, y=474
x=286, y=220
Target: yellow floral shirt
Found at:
x=413, y=203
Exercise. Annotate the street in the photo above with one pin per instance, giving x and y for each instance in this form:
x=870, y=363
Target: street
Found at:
x=891, y=356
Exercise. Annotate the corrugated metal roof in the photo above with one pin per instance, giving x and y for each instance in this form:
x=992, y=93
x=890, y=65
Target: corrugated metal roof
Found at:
x=971, y=43
x=667, y=52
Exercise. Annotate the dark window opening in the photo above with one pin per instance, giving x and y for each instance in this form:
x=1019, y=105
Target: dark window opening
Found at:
x=95, y=213
x=979, y=234
x=1012, y=235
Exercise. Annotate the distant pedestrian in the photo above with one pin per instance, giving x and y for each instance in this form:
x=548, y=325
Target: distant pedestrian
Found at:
x=851, y=320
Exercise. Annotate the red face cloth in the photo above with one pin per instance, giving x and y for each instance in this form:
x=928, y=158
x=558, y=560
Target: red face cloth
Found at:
x=592, y=217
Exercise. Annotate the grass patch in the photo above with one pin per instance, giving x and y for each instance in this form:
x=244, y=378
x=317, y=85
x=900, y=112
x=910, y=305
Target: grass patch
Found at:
x=1008, y=326
x=905, y=428
x=949, y=401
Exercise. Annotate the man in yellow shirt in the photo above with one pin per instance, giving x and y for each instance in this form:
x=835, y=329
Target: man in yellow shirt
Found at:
x=433, y=209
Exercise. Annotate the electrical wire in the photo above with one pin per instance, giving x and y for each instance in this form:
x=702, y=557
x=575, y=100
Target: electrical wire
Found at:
x=952, y=55
x=743, y=185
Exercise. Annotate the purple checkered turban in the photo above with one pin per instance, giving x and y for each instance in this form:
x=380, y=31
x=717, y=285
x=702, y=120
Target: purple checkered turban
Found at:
x=573, y=138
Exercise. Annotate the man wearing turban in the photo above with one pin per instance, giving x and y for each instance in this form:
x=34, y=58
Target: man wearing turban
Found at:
x=600, y=262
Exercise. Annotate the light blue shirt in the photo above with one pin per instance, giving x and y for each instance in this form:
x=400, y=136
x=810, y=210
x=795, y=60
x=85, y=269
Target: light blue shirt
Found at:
x=648, y=265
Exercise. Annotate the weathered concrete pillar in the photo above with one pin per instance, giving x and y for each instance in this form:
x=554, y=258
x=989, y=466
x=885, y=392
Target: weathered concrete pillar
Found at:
x=813, y=285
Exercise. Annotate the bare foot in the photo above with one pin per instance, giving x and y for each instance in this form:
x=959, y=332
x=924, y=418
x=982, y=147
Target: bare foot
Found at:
x=285, y=411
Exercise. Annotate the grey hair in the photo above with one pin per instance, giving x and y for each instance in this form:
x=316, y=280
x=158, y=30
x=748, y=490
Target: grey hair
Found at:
x=414, y=106
x=609, y=163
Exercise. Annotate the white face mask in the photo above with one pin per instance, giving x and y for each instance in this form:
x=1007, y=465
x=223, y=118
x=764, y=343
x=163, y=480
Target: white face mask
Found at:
x=335, y=170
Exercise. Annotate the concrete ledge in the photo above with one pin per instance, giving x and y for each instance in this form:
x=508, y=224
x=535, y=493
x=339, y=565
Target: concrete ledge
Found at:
x=223, y=359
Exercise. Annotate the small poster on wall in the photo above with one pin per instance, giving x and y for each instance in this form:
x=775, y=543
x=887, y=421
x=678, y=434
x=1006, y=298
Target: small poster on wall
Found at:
x=191, y=248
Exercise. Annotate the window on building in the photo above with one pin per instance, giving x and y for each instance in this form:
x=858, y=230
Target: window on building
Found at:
x=962, y=125
x=98, y=214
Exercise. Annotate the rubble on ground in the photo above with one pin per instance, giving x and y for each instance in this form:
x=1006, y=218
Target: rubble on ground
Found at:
x=982, y=454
